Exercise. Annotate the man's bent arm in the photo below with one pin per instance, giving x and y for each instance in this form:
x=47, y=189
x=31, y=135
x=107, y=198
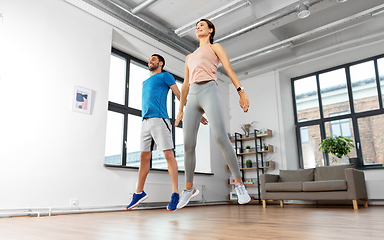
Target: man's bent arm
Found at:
x=175, y=90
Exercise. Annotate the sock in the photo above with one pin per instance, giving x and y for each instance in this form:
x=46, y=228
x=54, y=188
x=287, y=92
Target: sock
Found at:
x=190, y=190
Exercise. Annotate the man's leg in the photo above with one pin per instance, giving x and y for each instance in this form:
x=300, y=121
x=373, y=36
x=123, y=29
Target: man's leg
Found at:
x=140, y=195
x=145, y=158
x=172, y=169
x=173, y=173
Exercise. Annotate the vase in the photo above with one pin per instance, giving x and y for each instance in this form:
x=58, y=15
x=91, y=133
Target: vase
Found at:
x=357, y=161
x=249, y=165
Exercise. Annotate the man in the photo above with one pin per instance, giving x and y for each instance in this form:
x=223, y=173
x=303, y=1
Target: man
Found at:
x=156, y=129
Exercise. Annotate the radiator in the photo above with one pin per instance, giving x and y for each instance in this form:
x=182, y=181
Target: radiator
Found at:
x=161, y=192
x=375, y=189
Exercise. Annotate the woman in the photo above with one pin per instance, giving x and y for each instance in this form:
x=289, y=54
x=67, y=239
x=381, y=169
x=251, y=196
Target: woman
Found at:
x=200, y=82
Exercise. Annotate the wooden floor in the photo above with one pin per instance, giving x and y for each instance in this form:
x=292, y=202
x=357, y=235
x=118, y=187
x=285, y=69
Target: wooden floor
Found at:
x=204, y=222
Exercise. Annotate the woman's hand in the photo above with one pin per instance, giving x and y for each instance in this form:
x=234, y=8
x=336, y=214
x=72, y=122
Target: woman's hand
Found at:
x=179, y=118
x=244, y=101
x=203, y=120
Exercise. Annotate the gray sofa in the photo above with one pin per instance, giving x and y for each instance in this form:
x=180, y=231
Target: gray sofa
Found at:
x=321, y=183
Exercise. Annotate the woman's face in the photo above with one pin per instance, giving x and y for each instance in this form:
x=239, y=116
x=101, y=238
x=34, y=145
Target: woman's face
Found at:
x=202, y=29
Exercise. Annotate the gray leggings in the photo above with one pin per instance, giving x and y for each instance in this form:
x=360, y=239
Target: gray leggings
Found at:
x=205, y=97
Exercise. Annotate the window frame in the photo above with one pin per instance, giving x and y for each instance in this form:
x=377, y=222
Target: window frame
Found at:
x=353, y=115
x=126, y=110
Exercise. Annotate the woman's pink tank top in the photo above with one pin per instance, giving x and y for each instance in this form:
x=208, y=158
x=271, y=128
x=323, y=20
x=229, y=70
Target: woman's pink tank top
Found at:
x=202, y=65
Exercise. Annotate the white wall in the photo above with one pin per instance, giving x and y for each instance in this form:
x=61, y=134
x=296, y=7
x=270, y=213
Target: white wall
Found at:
x=50, y=154
x=261, y=91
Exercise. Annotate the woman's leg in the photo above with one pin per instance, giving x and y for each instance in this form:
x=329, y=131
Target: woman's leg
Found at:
x=191, y=122
x=211, y=102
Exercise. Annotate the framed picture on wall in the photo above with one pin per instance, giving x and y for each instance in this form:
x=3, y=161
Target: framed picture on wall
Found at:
x=82, y=100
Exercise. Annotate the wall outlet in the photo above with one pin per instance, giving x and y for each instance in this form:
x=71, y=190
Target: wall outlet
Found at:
x=74, y=203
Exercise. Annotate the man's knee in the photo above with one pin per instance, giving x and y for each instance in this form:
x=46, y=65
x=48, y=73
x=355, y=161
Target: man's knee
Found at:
x=145, y=156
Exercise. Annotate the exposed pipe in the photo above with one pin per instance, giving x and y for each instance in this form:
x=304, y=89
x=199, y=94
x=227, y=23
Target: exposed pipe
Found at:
x=259, y=52
x=266, y=19
x=142, y=6
x=289, y=42
x=226, y=9
x=163, y=35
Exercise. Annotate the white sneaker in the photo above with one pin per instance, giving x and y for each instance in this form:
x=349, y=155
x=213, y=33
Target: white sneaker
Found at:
x=186, y=196
x=242, y=194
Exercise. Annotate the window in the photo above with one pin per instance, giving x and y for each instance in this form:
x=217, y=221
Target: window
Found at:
x=344, y=101
x=309, y=149
x=124, y=114
x=364, y=87
x=340, y=127
x=380, y=66
x=334, y=92
x=306, y=97
x=304, y=134
x=372, y=143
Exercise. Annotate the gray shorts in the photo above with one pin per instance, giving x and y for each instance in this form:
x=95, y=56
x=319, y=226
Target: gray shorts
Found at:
x=156, y=131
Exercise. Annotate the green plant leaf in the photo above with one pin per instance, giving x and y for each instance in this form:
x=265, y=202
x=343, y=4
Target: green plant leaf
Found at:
x=338, y=146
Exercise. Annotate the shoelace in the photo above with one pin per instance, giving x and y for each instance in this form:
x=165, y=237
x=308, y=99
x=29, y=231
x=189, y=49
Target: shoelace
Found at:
x=241, y=189
x=186, y=191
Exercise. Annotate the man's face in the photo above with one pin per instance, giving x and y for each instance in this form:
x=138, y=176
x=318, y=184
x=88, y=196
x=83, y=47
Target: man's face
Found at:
x=153, y=63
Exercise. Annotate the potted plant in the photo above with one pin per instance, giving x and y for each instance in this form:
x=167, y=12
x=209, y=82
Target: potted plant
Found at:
x=248, y=149
x=248, y=163
x=265, y=147
x=338, y=146
x=246, y=128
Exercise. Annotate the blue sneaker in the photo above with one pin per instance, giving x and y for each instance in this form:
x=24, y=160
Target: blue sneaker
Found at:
x=136, y=199
x=172, y=206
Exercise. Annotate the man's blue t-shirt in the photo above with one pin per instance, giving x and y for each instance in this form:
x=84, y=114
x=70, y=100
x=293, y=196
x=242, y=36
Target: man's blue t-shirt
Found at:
x=154, y=97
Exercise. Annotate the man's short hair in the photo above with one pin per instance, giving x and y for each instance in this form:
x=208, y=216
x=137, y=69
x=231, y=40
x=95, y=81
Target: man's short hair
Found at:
x=161, y=59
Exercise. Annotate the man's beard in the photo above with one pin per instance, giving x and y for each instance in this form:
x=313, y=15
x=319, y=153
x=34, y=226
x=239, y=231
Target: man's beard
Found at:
x=154, y=67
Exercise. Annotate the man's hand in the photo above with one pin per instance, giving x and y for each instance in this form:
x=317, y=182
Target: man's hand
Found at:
x=179, y=118
x=203, y=120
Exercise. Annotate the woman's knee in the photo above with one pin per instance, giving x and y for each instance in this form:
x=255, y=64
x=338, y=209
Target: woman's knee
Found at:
x=222, y=140
x=189, y=144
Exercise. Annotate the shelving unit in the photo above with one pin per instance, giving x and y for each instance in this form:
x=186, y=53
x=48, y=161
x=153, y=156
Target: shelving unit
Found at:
x=258, y=138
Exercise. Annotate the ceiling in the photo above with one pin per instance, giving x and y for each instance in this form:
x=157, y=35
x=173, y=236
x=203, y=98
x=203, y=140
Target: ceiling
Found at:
x=276, y=37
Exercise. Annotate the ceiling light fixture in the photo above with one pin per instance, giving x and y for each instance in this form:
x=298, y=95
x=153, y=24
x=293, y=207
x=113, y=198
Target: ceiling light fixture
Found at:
x=260, y=52
x=341, y=1
x=230, y=7
x=303, y=10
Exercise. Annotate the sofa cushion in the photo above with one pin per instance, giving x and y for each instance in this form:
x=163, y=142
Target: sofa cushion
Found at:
x=324, y=186
x=284, y=187
x=303, y=175
x=332, y=172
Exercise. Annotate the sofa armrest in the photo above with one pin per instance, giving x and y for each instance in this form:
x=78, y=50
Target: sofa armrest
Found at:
x=266, y=178
x=356, y=184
